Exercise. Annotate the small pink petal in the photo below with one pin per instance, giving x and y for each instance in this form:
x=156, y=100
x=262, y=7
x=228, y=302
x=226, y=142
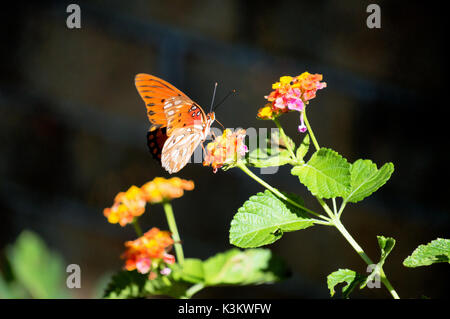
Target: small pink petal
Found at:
x=143, y=265
x=166, y=271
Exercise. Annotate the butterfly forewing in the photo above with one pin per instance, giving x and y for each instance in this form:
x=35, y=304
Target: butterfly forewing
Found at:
x=155, y=92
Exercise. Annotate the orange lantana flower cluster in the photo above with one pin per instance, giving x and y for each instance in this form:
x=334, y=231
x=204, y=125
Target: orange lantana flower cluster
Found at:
x=149, y=252
x=291, y=94
x=131, y=204
x=127, y=205
x=161, y=189
x=226, y=149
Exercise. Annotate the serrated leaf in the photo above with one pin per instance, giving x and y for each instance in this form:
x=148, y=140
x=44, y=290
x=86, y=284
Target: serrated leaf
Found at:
x=262, y=220
x=386, y=245
x=303, y=148
x=366, y=179
x=326, y=174
x=437, y=251
x=236, y=267
x=352, y=278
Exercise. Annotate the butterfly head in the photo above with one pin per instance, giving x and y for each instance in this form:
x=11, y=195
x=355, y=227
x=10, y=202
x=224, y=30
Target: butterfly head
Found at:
x=211, y=117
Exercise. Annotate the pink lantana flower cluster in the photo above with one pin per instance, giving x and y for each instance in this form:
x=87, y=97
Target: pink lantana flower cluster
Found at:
x=292, y=94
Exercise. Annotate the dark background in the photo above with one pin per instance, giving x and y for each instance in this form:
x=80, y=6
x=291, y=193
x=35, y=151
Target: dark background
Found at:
x=72, y=126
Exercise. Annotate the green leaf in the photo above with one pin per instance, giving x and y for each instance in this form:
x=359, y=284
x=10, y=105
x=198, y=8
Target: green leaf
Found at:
x=437, y=251
x=260, y=158
x=326, y=174
x=366, y=179
x=192, y=270
x=126, y=284
x=386, y=245
x=29, y=257
x=303, y=148
x=236, y=267
x=274, y=154
x=348, y=276
x=262, y=220
x=131, y=284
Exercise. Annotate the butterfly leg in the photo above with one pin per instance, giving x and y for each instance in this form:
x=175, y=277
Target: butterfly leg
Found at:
x=204, y=151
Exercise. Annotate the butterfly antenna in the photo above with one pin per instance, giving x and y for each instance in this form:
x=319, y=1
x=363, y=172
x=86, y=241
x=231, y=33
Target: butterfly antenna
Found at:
x=220, y=123
x=214, y=96
x=223, y=100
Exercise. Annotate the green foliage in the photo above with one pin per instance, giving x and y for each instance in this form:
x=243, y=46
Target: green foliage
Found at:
x=192, y=270
x=131, y=284
x=236, y=267
x=268, y=158
x=275, y=153
x=366, y=179
x=303, y=148
x=233, y=267
x=326, y=174
x=37, y=272
x=437, y=251
x=352, y=278
x=262, y=220
x=386, y=245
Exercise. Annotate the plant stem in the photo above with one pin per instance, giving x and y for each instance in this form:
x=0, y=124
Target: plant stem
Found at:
x=173, y=229
x=279, y=194
x=194, y=289
x=311, y=133
x=137, y=228
x=363, y=255
x=334, y=215
x=284, y=138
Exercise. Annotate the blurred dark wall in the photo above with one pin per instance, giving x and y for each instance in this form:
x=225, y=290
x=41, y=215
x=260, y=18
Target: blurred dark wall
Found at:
x=72, y=126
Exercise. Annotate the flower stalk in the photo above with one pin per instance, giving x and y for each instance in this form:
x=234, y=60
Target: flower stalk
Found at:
x=174, y=230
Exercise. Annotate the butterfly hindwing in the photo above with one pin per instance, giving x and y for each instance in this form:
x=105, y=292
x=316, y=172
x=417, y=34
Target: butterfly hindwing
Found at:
x=179, y=148
x=156, y=137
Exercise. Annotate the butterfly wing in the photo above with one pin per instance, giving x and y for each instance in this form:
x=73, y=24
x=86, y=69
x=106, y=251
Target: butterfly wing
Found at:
x=179, y=147
x=157, y=94
x=156, y=137
x=177, y=122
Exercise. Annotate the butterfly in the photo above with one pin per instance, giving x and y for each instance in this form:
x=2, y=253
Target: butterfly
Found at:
x=178, y=124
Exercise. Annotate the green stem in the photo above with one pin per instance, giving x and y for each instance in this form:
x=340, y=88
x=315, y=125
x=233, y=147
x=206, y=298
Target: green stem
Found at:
x=334, y=215
x=194, y=289
x=174, y=230
x=280, y=195
x=334, y=205
x=284, y=138
x=311, y=133
x=137, y=228
x=341, y=209
x=363, y=255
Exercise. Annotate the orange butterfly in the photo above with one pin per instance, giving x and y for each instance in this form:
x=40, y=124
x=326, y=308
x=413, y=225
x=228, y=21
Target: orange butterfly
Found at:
x=178, y=124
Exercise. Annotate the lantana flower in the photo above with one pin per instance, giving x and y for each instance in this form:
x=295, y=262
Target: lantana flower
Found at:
x=127, y=205
x=149, y=253
x=161, y=189
x=292, y=94
x=226, y=150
